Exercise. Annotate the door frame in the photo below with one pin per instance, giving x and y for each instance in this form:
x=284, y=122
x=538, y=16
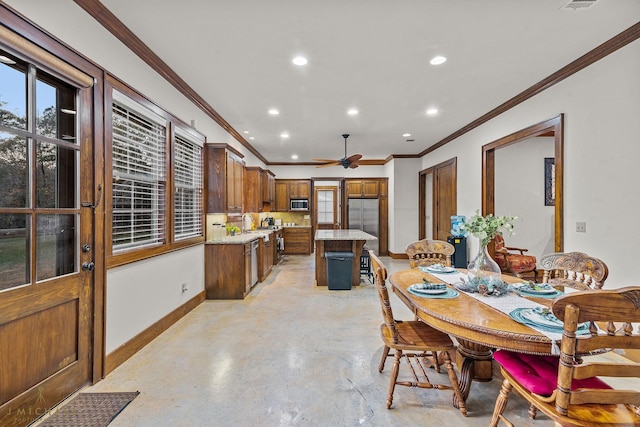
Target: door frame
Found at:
x=43, y=47
x=551, y=127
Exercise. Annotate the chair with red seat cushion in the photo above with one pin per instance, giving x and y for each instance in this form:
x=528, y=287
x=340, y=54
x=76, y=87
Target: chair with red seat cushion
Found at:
x=517, y=264
x=567, y=388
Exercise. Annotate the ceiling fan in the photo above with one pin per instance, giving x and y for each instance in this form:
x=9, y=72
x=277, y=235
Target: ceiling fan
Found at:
x=346, y=162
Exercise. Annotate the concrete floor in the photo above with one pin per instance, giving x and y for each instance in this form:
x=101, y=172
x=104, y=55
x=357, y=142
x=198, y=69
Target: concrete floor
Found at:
x=290, y=354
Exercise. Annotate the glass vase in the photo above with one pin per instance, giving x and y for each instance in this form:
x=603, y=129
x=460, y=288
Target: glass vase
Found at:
x=483, y=270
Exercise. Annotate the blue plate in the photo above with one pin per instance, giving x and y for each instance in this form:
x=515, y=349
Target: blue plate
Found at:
x=543, y=320
x=449, y=293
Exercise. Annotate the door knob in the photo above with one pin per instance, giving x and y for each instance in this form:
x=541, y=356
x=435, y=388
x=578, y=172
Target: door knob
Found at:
x=88, y=266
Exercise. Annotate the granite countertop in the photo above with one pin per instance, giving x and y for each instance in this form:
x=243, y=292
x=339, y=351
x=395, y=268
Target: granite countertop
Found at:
x=343, y=235
x=242, y=238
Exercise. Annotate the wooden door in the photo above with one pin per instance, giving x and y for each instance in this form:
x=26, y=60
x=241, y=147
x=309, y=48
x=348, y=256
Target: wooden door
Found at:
x=440, y=183
x=46, y=248
x=444, y=195
x=326, y=208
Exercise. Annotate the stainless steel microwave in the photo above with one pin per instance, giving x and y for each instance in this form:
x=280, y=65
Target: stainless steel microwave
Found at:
x=299, y=204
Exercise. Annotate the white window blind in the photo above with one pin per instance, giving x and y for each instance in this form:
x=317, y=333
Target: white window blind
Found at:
x=188, y=188
x=139, y=179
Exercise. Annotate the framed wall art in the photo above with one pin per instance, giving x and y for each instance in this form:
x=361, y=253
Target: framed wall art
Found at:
x=549, y=181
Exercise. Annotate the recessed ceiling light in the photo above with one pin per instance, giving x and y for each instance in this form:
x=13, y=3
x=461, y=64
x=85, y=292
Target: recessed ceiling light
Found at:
x=352, y=112
x=246, y=131
x=299, y=60
x=437, y=60
x=294, y=156
x=284, y=135
x=274, y=112
x=406, y=134
x=251, y=138
x=6, y=60
x=432, y=111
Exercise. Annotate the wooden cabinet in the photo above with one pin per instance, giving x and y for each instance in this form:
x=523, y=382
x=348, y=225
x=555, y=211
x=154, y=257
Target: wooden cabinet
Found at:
x=224, y=170
x=266, y=256
x=299, y=189
x=259, y=189
x=282, y=196
x=227, y=272
x=297, y=240
x=287, y=189
x=278, y=234
x=253, y=178
x=268, y=187
x=362, y=188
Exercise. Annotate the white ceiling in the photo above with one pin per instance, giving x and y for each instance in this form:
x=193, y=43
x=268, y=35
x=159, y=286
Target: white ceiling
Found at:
x=369, y=54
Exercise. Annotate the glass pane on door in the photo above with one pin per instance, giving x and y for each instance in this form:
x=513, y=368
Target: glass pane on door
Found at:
x=14, y=250
x=13, y=92
x=56, y=170
x=14, y=171
x=55, y=245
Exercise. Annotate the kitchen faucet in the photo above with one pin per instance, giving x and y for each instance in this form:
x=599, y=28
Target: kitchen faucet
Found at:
x=244, y=228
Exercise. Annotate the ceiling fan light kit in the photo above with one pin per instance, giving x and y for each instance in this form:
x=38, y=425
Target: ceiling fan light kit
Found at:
x=350, y=162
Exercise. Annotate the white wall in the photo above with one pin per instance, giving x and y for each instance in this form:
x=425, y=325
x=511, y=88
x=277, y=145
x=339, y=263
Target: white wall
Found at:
x=601, y=105
x=403, y=199
x=519, y=190
x=141, y=293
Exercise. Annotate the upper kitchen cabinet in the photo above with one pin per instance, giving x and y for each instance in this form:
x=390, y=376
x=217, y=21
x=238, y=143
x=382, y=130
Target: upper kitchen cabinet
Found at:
x=362, y=188
x=224, y=178
x=299, y=189
x=253, y=181
x=268, y=187
x=282, y=196
x=287, y=189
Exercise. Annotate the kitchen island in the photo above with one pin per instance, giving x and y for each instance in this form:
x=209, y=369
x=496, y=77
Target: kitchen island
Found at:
x=339, y=241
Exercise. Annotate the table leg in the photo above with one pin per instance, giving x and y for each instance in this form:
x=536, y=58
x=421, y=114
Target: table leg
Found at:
x=474, y=363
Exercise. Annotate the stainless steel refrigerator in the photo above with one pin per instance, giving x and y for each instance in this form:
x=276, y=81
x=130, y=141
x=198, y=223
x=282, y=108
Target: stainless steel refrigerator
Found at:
x=363, y=215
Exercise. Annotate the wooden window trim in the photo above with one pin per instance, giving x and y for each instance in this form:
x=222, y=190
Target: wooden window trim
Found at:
x=138, y=254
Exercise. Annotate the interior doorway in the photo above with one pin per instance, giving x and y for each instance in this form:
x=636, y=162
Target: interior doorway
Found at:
x=550, y=128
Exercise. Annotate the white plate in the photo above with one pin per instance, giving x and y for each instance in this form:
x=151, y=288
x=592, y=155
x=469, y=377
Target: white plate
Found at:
x=442, y=269
x=416, y=288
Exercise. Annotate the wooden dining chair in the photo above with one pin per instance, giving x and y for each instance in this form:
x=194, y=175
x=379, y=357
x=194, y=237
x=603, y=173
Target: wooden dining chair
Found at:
x=513, y=260
x=573, y=269
x=428, y=252
x=415, y=342
x=569, y=389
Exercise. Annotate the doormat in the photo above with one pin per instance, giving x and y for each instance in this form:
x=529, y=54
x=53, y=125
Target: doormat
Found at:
x=90, y=410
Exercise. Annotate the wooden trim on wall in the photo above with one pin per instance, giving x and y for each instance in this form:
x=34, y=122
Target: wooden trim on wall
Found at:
x=116, y=27
x=135, y=344
x=613, y=44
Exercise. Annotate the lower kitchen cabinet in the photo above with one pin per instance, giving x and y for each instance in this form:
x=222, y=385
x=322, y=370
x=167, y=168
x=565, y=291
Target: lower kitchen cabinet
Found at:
x=297, y=240
x=227, y=272
x=266, y=250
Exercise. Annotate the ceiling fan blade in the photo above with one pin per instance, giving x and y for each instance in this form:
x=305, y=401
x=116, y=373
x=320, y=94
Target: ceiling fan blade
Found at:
x=324, y=165
x=353, y=165
x=324, y=160
x=354, y=158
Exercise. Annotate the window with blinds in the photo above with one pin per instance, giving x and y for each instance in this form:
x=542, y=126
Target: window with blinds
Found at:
x=188, y=188
x=139, y=179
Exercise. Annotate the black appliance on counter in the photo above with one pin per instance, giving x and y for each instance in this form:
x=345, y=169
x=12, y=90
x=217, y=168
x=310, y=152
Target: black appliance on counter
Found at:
x=459, y=257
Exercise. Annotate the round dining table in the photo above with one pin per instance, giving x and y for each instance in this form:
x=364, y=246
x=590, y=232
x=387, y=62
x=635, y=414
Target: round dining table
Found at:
x=478, y=328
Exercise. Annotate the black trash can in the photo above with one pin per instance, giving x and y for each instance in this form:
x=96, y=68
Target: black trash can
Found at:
x=339, y=270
